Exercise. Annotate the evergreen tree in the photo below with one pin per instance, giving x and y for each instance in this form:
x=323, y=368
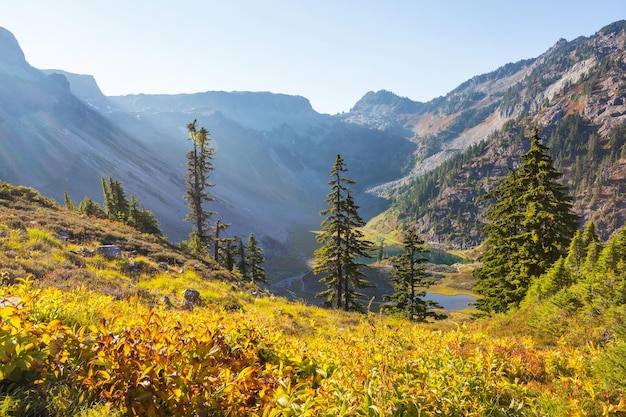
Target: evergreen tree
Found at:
x=242, y=264
x=142, y=219
x=408, y=273
x=229, y=256
x=342, y=243
x=590, y=235
x=593, y=254
x=558, y=277
x=199, y=165
x=576, y=256
x=255, y=260
x=217, y=241
x=528, y=229
x=356, y=249
x=69, y=203
x=116, y=204
x=608, y=279
x=88, y=207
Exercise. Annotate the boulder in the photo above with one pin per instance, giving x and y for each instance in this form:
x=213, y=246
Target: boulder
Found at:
x=110, y=251
x=191, y=296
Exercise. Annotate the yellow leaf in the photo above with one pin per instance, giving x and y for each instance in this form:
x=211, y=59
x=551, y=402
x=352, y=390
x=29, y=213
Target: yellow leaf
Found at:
x=15, y=321
x=104, y=374
x=55, y=324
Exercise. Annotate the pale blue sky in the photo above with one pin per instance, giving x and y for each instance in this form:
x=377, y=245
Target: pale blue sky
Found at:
x=329, y=51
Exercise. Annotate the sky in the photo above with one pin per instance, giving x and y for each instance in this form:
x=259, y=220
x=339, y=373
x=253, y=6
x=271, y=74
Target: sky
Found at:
x=330, y=51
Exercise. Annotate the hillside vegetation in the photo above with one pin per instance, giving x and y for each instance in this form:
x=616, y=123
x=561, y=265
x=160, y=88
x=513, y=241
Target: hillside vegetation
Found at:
x=574, y=94
x=85, y=334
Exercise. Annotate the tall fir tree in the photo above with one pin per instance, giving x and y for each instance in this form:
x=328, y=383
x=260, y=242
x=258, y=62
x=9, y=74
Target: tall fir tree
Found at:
x=255, y=260
x=199, y=166
x=408, y=274
x=116, y=205
x=529, y=227
x=357, y=248
x=218, y=241
x=342, y=244
x=241, y=255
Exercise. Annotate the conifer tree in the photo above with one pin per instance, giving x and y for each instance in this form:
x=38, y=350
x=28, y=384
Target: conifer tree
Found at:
x=576, y=256
x=116, y=204
x=528, y=228
x=608, y=278
x=593, y=254
x=88, y=207
x=408, y=273
x=199, y=165
x=218, y=241
x=142, y=219
x=242, y=264
x=228, y=261
x=255, y=260
x=342, y=243
x=69, y=203
x=356, y=247
x=590, y=235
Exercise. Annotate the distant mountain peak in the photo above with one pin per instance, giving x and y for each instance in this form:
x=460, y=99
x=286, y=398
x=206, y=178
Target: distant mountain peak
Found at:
x=385, y=98
x=12, y=59
x=85, y=88
x=10, y=51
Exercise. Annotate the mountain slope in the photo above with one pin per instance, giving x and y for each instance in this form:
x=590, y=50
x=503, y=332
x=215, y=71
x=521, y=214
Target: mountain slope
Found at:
x=273, y=152
x=52, y=141
x=86, y=334
x=574, y=93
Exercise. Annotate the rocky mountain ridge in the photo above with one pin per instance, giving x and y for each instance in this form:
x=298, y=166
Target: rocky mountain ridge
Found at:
x=583, y=78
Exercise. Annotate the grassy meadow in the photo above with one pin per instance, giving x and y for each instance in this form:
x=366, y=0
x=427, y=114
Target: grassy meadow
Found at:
x=85, y=335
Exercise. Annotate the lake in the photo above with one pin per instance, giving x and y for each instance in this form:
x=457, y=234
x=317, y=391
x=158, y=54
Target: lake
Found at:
x=451, y=302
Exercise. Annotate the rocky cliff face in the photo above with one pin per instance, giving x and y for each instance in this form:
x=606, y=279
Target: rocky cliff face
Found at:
x=584, y=78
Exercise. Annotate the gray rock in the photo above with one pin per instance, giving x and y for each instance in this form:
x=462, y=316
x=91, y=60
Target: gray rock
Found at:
x=191, y=296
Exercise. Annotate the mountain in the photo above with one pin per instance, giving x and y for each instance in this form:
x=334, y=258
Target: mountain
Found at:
x=574, y=93
x=53, y=141
x=273, y=151
x=414, y=163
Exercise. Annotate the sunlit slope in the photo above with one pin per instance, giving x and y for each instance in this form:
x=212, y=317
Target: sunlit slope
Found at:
x=86, y=332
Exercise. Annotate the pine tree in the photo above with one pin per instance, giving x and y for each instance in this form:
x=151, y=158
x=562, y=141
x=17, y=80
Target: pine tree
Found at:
x=142, y=219
x=88, y=207
x=217, y=240
x=408, y=273
x=609, y=278
x=576, y=256
x=199, y=165
x=69, y=203
x=528, y=229
x=342, y=243
x=356, y=248
x=229, y=256
x=116, y=204
x=558, y=277
x=590, y=235
x=242, y=264
x=255, y=260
